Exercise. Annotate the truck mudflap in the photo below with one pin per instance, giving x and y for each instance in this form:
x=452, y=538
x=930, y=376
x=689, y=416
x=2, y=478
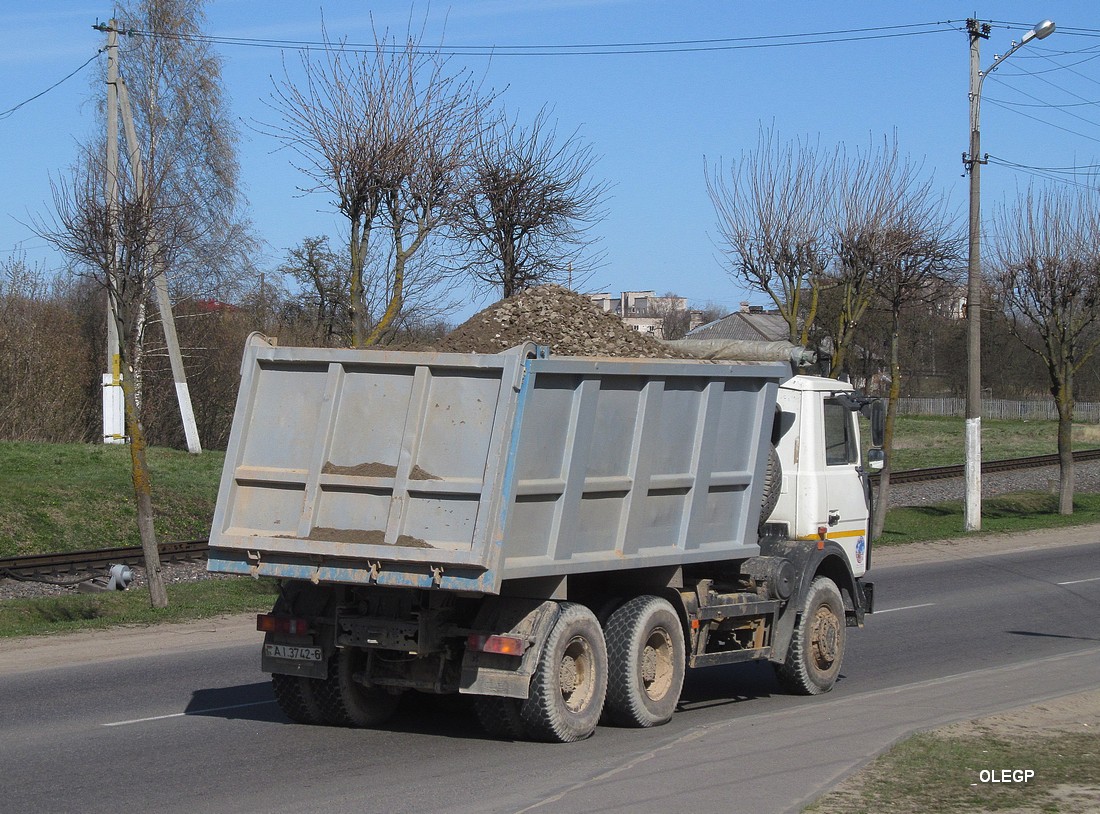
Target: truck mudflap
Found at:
x=867, y=600
x=505, y=675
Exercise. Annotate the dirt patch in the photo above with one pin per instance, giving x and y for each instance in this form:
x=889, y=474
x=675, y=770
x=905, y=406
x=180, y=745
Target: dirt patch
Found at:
x=373, y=469
x=1077, y=714
x=364, y=537
x=569, y=323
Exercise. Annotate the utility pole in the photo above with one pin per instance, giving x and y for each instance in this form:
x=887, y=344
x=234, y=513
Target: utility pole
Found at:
x=972, y=510
x=114, y=421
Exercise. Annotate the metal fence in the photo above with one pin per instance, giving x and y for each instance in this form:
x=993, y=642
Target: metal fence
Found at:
x=1035, y=409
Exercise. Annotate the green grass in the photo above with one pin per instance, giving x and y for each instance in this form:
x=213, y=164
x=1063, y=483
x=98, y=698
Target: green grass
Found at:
x=931, y=772
x=67, y=497
x=73, y=497
x=186, y=601
x=1022, y=511
x=924, y=441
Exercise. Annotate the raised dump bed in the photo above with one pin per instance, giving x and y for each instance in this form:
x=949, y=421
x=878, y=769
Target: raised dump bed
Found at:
x=458, y=471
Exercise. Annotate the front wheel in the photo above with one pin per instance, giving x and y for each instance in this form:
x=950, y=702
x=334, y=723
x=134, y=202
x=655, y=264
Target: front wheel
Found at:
x=570, y=681
x=817, y=645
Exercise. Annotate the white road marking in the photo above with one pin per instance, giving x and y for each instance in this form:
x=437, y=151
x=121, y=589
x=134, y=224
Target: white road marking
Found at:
x=185, y=714
x=1078, y=581
x=907, y=607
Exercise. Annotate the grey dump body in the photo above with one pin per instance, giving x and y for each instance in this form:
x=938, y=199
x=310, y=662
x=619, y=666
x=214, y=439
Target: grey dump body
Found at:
x=458, y=472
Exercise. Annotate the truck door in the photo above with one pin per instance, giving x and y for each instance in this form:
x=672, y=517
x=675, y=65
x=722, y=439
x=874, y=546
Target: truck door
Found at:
x=845, y=499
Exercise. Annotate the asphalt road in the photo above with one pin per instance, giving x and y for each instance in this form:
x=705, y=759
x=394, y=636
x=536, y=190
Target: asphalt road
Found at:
x=193, y=728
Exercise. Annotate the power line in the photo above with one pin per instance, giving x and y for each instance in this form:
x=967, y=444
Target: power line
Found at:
x=7, y=113
x=1043, y=121
x=588, y=49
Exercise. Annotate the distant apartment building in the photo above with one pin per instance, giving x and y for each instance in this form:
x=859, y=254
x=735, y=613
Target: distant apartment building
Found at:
x=643, y=311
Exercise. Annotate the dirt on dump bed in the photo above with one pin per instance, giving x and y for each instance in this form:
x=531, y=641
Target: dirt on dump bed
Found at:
x=374, y=469
x=569, y=323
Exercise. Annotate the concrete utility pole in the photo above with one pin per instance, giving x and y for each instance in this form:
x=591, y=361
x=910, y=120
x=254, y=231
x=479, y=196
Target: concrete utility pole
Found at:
x=114, y=419
x=973, y=161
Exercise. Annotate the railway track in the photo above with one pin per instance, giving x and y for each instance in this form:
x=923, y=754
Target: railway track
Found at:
x=71, y=566
x=1007, y=465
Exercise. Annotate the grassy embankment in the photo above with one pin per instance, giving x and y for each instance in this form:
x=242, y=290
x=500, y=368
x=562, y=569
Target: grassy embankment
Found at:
x=74, y=497
x=941, y=771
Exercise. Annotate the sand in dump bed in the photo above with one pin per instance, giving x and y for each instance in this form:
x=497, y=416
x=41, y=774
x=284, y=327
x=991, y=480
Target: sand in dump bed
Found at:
x=569, y=323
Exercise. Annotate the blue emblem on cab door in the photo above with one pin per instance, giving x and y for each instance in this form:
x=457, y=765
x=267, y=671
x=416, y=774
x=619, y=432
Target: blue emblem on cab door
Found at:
x=861, y=547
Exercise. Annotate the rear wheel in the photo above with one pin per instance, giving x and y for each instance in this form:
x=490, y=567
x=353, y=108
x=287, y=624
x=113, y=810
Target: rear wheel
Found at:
x=646, y=662
x=344, y=701
x=295, y=698
x=499, y=717
x=570, y=681
x=817, y=645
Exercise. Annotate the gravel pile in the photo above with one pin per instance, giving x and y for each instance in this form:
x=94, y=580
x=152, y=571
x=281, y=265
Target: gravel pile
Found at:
x=569, y=323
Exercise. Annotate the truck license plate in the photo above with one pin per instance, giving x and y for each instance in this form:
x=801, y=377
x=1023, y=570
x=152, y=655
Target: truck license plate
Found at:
x=293, y=652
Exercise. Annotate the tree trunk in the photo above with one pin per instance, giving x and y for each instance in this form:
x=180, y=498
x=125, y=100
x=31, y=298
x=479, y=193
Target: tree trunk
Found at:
x=357, y=307
x=1064, y=399
x=143, y=494
x=882, y=499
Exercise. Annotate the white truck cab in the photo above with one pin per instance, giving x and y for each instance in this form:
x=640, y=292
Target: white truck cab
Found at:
x=823, y=493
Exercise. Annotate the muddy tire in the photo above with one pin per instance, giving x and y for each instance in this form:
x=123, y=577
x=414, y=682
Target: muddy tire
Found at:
x=646, y=663
x=817, y=645
x=295, y=698
x=499, y=717
x=570, y=680
x=345, y=702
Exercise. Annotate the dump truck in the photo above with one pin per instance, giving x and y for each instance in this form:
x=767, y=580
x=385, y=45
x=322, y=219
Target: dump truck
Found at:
x=559, y=538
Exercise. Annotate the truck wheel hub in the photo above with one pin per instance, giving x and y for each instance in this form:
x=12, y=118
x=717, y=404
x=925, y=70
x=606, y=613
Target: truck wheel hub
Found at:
x=825, y=640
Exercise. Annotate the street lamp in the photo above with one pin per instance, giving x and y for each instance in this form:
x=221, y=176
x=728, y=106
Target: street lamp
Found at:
x=973, y=162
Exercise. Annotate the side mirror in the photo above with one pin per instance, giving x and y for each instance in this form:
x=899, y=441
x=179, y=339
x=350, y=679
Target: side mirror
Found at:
x=878, y=423
x=876, y=459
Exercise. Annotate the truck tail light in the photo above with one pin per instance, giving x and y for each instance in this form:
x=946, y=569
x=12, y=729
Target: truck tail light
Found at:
x=505, y=645
x=286, y=625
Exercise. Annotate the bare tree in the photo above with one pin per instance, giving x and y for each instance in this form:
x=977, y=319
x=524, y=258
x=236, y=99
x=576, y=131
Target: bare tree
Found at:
x=113, y=245
x=322, y=275
x=921, y=269
x=673, y=312
x=770, y=220
x=388, y=131
x=1048, y=278
x=189, y=143
x=45, y=358
x=881, y=209
x=182, y=208
x=528, y=207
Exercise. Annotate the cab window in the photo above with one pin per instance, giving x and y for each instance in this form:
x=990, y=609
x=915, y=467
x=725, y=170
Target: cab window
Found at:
x=840, y=442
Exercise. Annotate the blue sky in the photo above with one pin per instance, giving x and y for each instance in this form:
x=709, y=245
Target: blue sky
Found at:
x=654, y=118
